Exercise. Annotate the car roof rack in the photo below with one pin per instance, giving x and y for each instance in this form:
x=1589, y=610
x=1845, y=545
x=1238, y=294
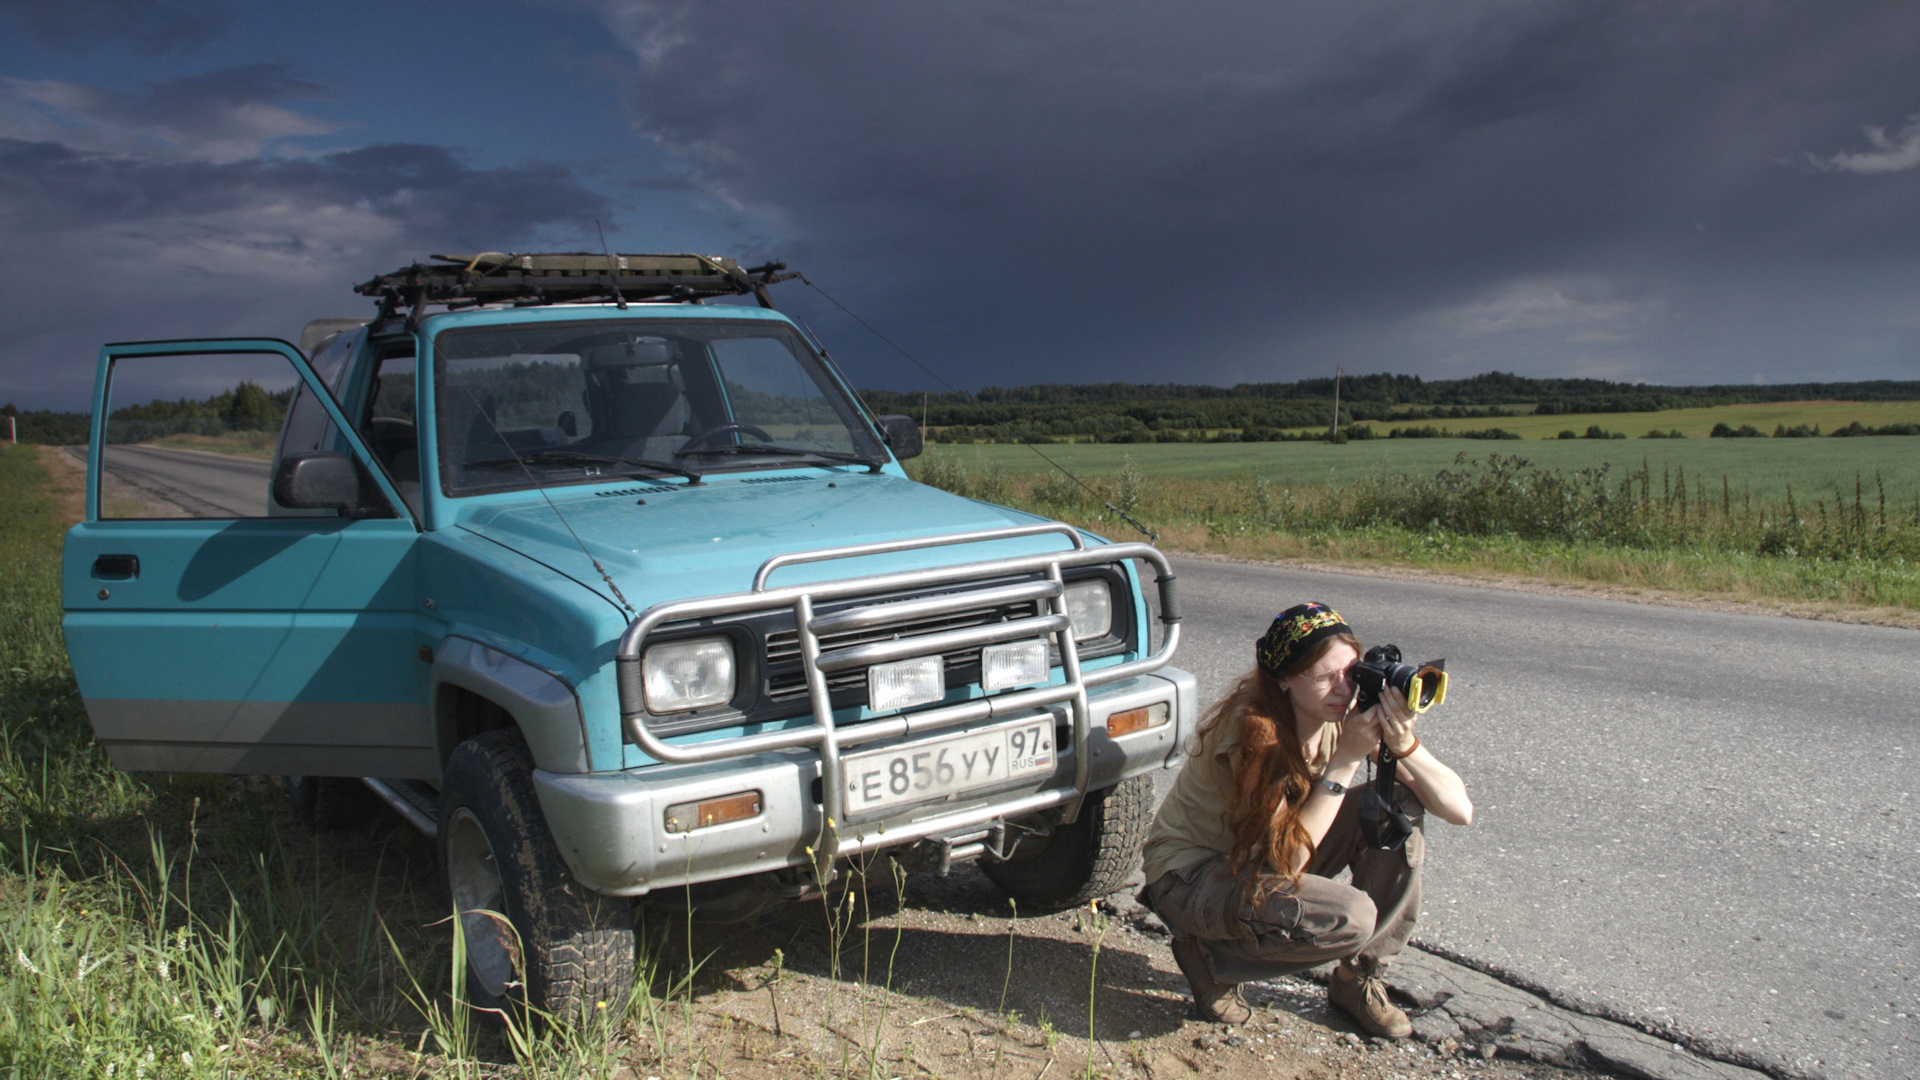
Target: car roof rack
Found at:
x=492, y=277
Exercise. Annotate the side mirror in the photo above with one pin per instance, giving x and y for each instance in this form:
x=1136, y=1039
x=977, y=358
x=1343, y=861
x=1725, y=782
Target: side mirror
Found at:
x=902, y=435
x=318, y=481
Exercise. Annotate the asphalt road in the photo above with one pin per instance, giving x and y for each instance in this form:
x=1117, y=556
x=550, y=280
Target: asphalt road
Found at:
x=200, y=483
x=1694, y=821
x=1688, y=819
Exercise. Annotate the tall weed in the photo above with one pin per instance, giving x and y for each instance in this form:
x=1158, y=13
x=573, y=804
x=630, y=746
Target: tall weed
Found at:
x=1855, y=543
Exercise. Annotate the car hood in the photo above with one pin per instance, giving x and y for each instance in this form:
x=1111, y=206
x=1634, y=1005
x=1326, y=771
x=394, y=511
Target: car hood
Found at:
x=670, y=541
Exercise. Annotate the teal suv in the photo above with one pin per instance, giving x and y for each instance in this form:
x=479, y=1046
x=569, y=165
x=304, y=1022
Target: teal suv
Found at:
x=613, y=590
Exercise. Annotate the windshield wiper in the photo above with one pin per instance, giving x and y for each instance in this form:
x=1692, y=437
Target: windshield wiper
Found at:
x=788, y=451
x=560, y=456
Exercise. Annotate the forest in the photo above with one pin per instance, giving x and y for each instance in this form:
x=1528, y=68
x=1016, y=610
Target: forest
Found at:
x=1255, y=412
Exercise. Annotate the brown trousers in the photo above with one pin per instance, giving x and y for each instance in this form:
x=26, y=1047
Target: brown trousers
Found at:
x=1317, y=920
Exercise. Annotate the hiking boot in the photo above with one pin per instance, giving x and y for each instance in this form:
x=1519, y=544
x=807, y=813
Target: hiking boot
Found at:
x=1215, y=1001
x=1364, y=997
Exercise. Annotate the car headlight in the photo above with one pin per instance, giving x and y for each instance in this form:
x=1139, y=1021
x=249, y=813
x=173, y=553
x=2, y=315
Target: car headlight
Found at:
x=681, y=675
x=1089, y=609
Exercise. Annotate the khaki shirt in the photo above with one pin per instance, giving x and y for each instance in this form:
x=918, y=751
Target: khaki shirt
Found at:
x=1191, y=825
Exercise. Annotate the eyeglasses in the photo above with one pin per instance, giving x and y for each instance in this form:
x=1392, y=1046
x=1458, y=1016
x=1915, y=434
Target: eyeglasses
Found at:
x=1327, y=680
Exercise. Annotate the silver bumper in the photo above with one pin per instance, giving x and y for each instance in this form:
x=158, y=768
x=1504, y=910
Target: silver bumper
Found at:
x=611, y=829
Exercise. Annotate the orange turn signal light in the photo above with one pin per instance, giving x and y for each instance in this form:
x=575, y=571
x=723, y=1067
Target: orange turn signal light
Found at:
x=1132, y=720
x=686, y=817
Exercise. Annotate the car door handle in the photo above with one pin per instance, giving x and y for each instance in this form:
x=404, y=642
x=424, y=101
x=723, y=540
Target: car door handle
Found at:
x=117, y=567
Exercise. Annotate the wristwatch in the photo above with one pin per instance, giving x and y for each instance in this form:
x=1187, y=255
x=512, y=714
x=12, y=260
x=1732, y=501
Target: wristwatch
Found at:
x=1333, y=785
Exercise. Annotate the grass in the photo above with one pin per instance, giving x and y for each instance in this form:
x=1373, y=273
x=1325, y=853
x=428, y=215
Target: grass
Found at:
x=1760, y=468
x=1692, y=423
x=250, y=444
x=1854, y=544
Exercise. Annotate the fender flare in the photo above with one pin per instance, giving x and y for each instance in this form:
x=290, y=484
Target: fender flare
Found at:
x=543, y=706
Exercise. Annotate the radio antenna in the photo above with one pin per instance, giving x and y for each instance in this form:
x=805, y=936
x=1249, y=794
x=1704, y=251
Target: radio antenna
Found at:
x=611, y=281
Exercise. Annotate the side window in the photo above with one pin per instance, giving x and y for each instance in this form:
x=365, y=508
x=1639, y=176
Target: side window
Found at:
x=194, y=436
x=308, y=428
x=389, y=425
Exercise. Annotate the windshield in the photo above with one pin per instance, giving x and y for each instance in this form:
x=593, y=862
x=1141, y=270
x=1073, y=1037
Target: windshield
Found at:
x=577, y=402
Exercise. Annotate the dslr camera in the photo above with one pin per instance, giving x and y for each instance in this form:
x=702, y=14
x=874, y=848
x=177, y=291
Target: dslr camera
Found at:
x=1424, y=686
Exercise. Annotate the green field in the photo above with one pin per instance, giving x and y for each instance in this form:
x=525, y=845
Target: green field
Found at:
x=1834, y=523
x=1766, y=466
x=1693, y=423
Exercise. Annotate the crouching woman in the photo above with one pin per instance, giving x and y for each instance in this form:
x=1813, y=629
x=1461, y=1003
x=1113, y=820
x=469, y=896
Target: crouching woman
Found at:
x=1241, y=857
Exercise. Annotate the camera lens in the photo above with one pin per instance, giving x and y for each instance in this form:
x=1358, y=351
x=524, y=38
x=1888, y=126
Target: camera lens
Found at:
x=1428, y=688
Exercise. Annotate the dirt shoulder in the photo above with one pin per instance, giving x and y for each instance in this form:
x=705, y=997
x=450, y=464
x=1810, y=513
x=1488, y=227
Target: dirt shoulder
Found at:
x=947, y=979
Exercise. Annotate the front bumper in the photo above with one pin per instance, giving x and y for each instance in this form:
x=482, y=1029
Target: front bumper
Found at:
x=611, y=829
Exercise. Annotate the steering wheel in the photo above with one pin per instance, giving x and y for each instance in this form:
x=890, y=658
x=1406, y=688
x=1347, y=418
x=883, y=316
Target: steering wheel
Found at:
x=711, y=434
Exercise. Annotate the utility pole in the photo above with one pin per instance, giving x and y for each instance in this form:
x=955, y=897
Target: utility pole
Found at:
x=1336, y=400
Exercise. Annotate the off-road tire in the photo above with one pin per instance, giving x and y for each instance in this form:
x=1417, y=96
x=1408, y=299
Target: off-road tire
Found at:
x=1088, y=859
x=332, y=803
x=576, y=946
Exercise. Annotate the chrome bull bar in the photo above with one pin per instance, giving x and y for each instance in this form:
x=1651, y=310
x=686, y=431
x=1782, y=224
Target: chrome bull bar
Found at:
x=829, y=741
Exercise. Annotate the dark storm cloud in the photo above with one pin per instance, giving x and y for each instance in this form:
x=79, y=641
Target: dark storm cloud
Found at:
x=150, y=26
x=206, y=233
x=422, y=191
x=1082, y=191
x=205, y=106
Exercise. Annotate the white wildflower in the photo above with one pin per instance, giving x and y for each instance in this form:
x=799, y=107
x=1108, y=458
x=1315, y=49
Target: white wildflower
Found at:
x=20, y=954
x=163, y=969
x=219, y=1012
x=86, y=969
x=186, y=1058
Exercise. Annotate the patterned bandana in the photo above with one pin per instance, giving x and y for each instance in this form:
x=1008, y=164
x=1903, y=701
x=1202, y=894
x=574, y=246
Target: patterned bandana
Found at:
x=1294, y=633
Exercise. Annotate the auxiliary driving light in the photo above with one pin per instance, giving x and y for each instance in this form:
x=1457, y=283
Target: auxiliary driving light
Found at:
x=892, y=687
x=1017, y=663
x=1132, y=720
x=688, y=816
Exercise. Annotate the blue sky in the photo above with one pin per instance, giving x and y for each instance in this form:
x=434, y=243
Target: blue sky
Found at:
x=1670, y=192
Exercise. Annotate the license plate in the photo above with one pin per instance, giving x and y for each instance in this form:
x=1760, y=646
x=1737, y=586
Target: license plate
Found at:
x=935, y=768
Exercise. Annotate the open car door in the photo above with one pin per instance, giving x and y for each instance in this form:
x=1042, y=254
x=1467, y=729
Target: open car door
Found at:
x=234, y=608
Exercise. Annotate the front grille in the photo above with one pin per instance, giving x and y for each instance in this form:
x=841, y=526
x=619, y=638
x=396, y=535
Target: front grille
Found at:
x=787, y=681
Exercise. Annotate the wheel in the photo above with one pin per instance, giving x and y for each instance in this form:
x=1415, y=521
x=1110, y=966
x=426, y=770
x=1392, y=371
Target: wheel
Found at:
x=534, y=936
x=1087, y=859
x=712, y=434
x=332, y=802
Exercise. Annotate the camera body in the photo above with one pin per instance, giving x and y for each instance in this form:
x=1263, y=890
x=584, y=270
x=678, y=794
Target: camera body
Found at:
x=1424, y=685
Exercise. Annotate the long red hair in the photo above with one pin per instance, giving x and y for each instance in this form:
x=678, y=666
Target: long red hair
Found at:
x=1270, y=774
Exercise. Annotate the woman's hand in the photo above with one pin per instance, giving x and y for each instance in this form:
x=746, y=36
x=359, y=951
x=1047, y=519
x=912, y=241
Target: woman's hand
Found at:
x=1359, y=734
x=1437, y=787
x=1396, y=719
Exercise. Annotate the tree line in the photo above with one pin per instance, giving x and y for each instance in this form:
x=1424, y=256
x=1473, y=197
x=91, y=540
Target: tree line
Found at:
x=243, y=406
x=1166, y=412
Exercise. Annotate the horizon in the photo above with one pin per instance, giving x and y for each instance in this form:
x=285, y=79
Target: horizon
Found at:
x=936, y=394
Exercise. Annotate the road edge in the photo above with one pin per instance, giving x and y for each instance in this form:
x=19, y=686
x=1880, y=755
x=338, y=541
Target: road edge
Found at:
x=1898, y=618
